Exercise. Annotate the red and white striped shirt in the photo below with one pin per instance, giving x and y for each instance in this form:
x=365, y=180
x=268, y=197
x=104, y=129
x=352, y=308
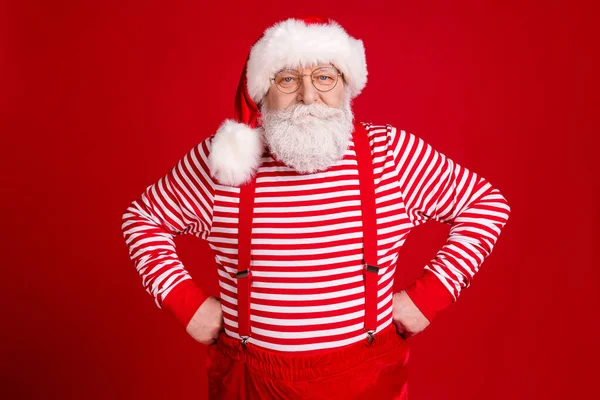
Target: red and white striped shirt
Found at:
x=307, y=256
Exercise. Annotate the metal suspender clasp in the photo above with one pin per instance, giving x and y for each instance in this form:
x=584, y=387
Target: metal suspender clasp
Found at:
x=242, y=274
x=372, y=268
x=244, y=341
x=370, y=337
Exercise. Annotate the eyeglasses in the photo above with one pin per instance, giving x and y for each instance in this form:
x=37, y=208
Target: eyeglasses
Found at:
x=323, y=79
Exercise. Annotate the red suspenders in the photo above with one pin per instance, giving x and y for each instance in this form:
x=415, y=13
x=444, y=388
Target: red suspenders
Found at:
x=369, y=224
x=370, y=271
x=244, y=275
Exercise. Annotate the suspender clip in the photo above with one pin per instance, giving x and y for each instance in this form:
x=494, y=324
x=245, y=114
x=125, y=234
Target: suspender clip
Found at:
x=244, y=341
x=370, y=337
x=242, y=274
x=372, y=268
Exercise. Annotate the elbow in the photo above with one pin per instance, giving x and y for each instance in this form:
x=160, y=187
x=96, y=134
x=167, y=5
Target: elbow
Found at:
x=506, y=209
x=501, y=205
x=127, y=218
x=507, y=206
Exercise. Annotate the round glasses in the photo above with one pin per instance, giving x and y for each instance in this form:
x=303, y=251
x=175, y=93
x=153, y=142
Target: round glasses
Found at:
x=323, y=79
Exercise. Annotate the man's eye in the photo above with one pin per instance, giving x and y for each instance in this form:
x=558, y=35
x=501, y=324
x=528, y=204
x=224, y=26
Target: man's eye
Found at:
x=323, y=76
x=288, y=77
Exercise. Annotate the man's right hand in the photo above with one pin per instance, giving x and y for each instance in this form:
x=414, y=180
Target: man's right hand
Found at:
x=207, y=322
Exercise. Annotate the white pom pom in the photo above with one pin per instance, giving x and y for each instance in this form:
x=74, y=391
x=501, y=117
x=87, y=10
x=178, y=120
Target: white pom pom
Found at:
x=236, y=153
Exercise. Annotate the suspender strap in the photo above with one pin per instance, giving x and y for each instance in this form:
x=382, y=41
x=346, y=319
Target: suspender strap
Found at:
x=369, y=223
x=370, y=271
x=244, y=275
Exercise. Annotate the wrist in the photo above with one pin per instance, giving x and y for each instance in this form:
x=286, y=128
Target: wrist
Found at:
x=429, y=295
x=184, y=300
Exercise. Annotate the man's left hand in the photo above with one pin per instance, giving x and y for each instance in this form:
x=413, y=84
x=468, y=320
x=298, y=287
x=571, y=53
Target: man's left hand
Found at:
x=407, y=317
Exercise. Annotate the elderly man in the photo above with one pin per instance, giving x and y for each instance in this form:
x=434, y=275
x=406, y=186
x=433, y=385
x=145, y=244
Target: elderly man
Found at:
x=306, y=209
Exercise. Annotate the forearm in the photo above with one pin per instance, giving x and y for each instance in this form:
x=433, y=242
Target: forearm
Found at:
x=181, y=202
x=473, y=234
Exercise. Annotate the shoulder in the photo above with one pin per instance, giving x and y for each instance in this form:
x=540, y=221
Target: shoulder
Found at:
x=382, y=131
x=377, y=128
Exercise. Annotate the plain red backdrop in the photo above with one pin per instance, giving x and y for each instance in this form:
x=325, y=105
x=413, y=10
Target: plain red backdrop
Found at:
x=100, y=99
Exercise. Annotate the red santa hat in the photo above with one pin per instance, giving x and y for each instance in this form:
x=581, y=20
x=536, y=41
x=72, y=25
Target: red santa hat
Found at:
x=238, y=145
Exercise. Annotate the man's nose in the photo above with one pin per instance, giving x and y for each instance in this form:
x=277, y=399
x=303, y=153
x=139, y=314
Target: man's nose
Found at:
x=307, y=93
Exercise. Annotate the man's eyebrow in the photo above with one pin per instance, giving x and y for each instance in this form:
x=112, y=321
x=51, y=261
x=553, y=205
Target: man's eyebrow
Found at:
x=299, y=67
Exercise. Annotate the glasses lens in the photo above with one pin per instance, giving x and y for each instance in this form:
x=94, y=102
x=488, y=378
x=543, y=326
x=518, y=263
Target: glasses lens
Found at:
x=287, y=80
x=325, y=78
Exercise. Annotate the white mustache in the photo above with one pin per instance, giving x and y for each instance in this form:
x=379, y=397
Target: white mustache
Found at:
x=300, y=112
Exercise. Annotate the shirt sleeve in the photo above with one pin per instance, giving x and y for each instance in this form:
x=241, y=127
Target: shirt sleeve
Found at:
x=434, y=187
x=180, y=202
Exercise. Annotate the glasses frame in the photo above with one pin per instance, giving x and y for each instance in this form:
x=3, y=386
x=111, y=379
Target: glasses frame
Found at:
x=311, y=79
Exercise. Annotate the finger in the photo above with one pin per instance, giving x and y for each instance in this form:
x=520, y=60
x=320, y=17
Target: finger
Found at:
x=399, y=328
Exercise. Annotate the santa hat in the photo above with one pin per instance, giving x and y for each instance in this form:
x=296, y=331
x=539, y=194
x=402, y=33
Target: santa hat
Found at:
x=238, y=145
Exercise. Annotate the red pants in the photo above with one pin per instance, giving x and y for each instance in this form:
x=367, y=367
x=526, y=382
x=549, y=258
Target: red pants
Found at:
x=356, y=371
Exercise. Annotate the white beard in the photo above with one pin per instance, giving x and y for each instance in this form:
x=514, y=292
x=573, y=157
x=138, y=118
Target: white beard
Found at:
x=308, y=138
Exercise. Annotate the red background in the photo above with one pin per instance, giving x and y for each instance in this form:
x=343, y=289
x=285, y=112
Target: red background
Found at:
x=100, y=99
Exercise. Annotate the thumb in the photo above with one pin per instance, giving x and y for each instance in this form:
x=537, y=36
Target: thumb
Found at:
x=399, y=329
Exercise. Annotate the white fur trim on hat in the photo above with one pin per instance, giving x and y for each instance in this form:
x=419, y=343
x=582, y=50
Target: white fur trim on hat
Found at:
x=236, y=152
x=292, y=43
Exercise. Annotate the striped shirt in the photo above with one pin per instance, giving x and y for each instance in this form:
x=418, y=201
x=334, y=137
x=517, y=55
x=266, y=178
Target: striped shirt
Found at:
x=307, y=248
